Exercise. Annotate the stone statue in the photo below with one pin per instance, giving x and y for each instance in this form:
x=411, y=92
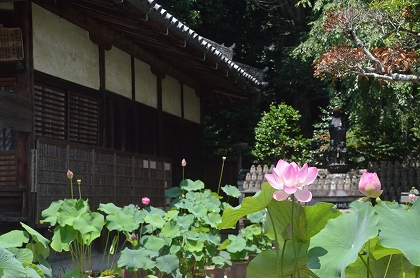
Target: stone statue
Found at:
x=337, y=151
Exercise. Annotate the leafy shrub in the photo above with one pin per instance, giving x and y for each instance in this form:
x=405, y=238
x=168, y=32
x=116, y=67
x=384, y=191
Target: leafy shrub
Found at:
x=278, y=134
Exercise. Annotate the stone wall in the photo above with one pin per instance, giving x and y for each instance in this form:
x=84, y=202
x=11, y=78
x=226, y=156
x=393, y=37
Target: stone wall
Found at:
x=397, y=177
x=341, y=189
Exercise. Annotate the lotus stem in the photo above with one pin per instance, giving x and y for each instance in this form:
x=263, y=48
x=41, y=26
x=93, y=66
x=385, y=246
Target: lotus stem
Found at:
x=296, y=268
x=71, y=188
x=221, y=174
x=277, y=245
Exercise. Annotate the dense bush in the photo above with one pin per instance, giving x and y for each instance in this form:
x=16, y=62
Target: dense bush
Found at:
x=278, y=134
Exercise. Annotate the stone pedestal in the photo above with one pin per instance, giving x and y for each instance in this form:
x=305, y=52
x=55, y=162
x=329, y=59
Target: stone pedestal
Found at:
x=338, y=168
x=338, y=188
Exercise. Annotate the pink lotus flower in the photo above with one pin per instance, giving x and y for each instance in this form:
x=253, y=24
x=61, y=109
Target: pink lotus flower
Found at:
x=145, y=201
x=290, y=179
x=69, y=174
x=183, y=162
x=412, y=197
x=370, y=185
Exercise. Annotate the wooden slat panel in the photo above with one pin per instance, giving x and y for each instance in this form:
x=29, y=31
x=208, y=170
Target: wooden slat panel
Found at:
x=107, y=176
x=8, y=169
x=83, y=123
x=50, y=112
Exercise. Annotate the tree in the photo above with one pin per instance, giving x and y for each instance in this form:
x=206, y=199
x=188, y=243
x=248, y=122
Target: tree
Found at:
x=371, y=39
x=278, y=136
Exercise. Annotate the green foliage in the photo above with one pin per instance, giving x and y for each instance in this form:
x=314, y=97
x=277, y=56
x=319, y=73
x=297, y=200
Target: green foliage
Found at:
x=319, y=241
x=231, y=127
x=278, y=135
x=182, y=241
x=76, y=227
x=23, y=254
x=334, y=248
x=382, y=116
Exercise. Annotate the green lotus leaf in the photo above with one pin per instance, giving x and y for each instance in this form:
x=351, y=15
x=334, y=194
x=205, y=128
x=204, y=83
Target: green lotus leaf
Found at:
x=268, y=265
x=45, y=267
x=170, y=230
x=237, y=244
x=212, y=219
x=388, y=266
x=109, y=208
x=62, y=238
x=256, y=217
x=154, y=243
x=167, y=263
x=137, y=259
x=212, y=237
x=14, y=238
x=231, y=191
x=9, y=265
x=184, y=222
x=90, y=226
x=33, y=271
x=189, y=185
x=193, y=235
x=194, y=246
x=170, y=214
x=308, y=220
x=249, y=205
x=23, y=255
x=198, y=211
x=121, y=222
x=316, y=217
x=50, y=213
x=211, y=202
x=173, y=192
x=70, y=210
x=89, y=222
x=338, y=244
x=185, y=203
x=155, y=220
x=251, y=232
x=37, y=237
x=153, y=210
x=399, y=229
x=38, y=249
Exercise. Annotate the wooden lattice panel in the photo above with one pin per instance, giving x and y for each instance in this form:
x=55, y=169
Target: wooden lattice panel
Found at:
x=50, y=112
x=8, y=169
x=106, y=176
x=83, y=119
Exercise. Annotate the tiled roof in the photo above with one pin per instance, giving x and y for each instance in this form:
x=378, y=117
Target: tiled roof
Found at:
x=206, y=45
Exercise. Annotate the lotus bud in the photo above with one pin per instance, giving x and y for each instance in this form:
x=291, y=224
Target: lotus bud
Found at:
x=145, y=201
x=69, y=174
x=287, y=232
x=133, y=237
x=183, y=162
x=370, y=185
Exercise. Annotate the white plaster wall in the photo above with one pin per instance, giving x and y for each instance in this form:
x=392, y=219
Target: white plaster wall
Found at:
x=7, y=6
x=63, y=50
x=171, y=96
x=118, y=72
x=146, y=84
x=191, y=105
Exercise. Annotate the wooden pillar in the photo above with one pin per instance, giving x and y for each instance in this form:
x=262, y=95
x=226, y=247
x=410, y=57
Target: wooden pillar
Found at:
x=159, y=77
x=24, y=87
